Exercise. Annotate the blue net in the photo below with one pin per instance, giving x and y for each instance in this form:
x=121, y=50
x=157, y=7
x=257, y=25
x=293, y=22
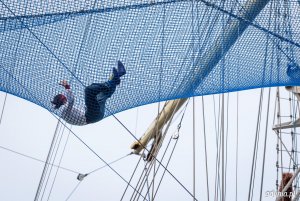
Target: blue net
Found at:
x=164, y=45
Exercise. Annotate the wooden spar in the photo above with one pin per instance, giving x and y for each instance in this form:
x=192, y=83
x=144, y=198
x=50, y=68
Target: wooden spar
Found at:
x=232, y=31
x=162, y=118
x=205, y=64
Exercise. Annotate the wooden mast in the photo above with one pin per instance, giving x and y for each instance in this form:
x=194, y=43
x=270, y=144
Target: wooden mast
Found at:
x=204, y=65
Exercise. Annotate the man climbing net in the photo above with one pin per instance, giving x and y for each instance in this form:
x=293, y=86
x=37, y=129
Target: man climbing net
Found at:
x=96, y=95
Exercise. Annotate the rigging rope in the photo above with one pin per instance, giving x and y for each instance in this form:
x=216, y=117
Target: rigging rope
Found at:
x=39, y=160
x=109, y=164
x=106, y=163
x=56, y=146
x=166, y=169
x=85, y=35
x=223, y=114
x=14, y=63
x=151, y=155
x=147, y=169
x=40, y=186
x=217, y=123
x=205, y=149
x=160, y=77
x=280, y=37
x=149, y=191
x=226, y=143
x=268, y=108
x=136, y=120
x=151, y=163
x=277, y=104
x=223, y=149
x=145, y=174
x=194, y=151
x=59, y=160
x=3, y=106
x=87, y=174
x=167, y=147
x=40, y=41
x=255, y=149
x=265, y=145
x=294, y=105
x=77, y=185
x=132, y=175
x=155, y=154
x=194, y=137
x=237, y=146
x=277, y=28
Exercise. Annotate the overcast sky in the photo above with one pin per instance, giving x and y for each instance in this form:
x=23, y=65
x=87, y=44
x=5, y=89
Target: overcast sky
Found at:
x=28, y=129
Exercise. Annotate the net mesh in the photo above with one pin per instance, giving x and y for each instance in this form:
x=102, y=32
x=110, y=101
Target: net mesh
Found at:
x=163, y=45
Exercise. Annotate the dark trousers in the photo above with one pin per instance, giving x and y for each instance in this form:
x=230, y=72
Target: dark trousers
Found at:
x=96, y=95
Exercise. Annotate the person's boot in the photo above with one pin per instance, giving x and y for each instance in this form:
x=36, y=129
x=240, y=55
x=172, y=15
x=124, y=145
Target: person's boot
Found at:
x=114, y=78
x=121, y=69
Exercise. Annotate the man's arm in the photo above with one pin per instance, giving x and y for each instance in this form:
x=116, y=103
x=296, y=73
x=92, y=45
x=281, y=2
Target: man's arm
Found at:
x=69, y=94
x=65, y=84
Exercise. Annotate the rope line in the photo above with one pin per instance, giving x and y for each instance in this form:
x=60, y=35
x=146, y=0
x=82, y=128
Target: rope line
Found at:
x=205, y=149
x=75, y=188
x=251, y=23
x=255, y=148
x=268, y=108
x=3, y=107
x=59, y=162
x=85, y=35
x=155, y=153
x=178, y=129
x=237, y=147
x=166, y=169
x=152, y=155
x=40, y=186
x=106, y=163
x=194, y=151
x=265, y=145
x=77, y=185
x=156, y=172
x=48, y=49
x=167, y=147
x=148, y=167
x=216, y=121
x=109, y=164
x=132, y=175
x=53, y=157
x=39, y=160
x=223, y=147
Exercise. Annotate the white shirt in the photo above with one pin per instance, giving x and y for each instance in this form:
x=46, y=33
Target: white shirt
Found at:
x=70, y=114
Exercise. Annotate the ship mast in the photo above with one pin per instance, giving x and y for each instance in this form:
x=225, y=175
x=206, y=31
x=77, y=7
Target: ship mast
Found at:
x=204, y=65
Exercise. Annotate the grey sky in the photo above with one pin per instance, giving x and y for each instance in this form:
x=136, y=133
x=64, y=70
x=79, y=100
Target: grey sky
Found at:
x=28, y=129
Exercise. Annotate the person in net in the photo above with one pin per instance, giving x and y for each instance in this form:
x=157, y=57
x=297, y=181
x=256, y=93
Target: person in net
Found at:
x=96, y=95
